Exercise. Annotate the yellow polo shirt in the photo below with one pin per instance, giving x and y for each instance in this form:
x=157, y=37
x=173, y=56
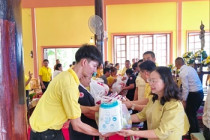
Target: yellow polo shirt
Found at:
x=99, y=73
x=147, y=91
x=168, y=121
x=45, y=73
x=124, y=71
x=58, y=104
x=140, y=84
x=110, y=80
x=28, y=86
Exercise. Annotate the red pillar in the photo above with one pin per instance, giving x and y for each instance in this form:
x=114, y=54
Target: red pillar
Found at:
x=13, y=124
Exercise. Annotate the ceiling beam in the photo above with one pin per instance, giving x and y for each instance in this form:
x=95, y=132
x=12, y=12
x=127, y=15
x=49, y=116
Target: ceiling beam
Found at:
x=67, y=3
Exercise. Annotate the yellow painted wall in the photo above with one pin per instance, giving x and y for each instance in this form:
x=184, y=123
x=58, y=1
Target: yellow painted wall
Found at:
x=69, y=25
x=193, y=13
x=141, y=18
x=62, y=26
x=27, y=40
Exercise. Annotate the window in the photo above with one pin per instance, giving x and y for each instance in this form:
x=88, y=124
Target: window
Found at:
x=194, y=42
x=65, y=55
x=120, y=49
x=133, y=46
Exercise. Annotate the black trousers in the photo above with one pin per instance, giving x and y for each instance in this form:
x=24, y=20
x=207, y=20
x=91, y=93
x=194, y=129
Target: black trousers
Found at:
x=194, y=100
x=206, y=133
x=47, y=135
x=46, y=85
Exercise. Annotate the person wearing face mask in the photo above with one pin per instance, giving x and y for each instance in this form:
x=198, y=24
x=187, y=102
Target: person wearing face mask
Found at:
x=165, y=115
x=60, y=101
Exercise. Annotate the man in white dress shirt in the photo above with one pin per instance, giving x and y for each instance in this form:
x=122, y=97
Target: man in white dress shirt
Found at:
x=206, y=117
x=192, y=92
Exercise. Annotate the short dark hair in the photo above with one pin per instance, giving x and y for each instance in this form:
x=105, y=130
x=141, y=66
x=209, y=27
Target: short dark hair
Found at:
x=141, y=60
x=134, y=66
x=106, y=63
x=117, y=64
x=58, y=66
x=88, y=52
x=46, y=60
x=180, y=61
x=151, y=53
x=148, y=66
x=113, y=69
x=127, y=61
x=73, y=63
x=106, y=70
x=129, y=71
x=171, y=90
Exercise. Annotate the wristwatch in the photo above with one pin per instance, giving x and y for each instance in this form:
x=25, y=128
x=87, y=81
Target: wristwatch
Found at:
x=133, y=106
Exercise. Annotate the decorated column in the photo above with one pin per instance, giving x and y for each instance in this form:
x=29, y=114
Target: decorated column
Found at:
x=13, y=123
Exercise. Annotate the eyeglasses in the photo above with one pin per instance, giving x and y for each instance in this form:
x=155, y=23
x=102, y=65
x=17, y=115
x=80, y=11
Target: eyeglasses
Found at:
x=152, y=81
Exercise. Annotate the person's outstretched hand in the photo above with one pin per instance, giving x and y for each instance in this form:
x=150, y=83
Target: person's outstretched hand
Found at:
x=126, y=133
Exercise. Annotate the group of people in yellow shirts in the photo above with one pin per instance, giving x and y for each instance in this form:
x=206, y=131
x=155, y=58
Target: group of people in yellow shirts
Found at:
x=157, y=98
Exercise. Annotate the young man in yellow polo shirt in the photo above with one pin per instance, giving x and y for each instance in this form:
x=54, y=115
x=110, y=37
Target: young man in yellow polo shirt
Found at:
x=45, y=75
x=145, y=69
x=60, y=101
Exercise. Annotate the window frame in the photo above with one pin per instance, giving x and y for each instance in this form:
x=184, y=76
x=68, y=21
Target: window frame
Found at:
x=188, y=43
x=169, y=44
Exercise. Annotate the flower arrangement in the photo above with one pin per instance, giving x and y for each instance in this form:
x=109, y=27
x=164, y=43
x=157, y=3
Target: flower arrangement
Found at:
x=189, y=58
x=206, y=61
x=201, y=53
x=188, y=55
